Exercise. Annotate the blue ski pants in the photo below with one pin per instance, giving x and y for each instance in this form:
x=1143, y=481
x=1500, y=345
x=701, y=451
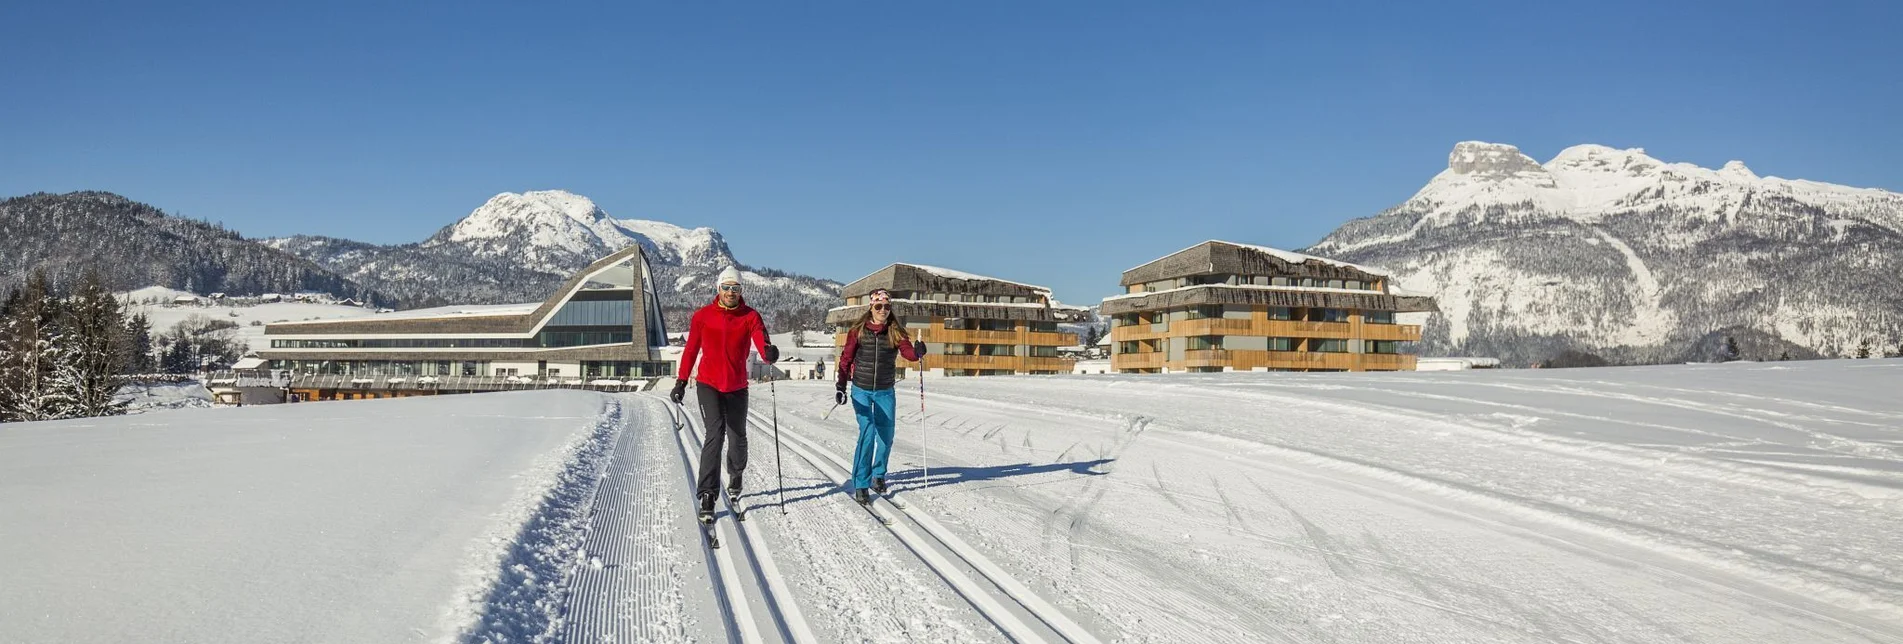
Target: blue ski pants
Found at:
x=875, y=434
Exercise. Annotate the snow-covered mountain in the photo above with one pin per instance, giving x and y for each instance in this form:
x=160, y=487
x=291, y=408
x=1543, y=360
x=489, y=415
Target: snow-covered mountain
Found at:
x=133, y=244
x=1618, y=252
x=518, y=247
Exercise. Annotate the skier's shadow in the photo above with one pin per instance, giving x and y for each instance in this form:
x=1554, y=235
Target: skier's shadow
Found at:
x=960, y=475
x=941, y=476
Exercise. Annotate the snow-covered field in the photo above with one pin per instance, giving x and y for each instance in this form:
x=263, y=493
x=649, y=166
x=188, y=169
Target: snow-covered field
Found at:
x=1721, y=503
x=1704, y=503
x=375, y=521
x=163, y=317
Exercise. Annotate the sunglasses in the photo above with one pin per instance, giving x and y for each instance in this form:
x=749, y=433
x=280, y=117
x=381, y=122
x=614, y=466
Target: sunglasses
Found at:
x=881, y=307
x=730, y=287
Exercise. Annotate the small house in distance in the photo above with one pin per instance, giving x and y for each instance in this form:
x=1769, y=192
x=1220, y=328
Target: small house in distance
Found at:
x=972, y=325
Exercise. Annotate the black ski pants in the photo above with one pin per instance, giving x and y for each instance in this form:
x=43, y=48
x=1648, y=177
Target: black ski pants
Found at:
x=723, y=415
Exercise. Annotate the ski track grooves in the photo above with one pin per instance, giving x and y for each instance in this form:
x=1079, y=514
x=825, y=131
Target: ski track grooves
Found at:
x=526, y=599
x=785, y=610
x=1007, y=621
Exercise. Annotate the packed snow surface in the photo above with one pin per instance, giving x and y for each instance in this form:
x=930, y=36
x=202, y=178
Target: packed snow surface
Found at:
x=1747, y=502
x=1713, y=503
x=368, y=521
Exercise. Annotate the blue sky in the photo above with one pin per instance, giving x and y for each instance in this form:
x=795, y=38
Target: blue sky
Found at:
x=1054, y=143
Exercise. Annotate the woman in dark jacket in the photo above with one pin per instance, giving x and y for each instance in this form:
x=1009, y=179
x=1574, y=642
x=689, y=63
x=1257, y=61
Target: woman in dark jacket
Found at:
x=869, y=362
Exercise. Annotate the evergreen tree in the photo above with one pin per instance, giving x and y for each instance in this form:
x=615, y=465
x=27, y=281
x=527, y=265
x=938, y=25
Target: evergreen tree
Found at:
x=1731, y=350
x=29, y=353
x=139, y=345
x=96, y=347
x=178, y=359
x=1863, y=349
x=1786, y=355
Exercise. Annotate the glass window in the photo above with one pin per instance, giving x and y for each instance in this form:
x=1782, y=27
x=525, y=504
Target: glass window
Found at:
x=1201, y=312
x=1332, y=345
x=1278, y=281
x=1378, y=317
x=1328, y=315
x=1041, y=351
x=1281, y=313
x=1282, y=344
x=998, y=325
x=1203, y=342
x=1042, y=327
x=1381, y=346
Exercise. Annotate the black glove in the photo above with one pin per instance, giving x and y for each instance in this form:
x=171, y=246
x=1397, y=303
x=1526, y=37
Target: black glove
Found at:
x=839, y=392
x=772, y=353
x=918, y=349
x=680, y=391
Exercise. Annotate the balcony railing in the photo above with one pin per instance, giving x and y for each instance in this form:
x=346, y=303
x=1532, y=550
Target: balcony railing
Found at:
x=387, y=382
x=1151, y=360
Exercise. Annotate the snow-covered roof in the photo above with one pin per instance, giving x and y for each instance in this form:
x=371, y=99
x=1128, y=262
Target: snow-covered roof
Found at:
x=1253, y=287
x=1020, y=305
x=961, y=275
x=465, y=310
x=248, y=363
x=1284, y=255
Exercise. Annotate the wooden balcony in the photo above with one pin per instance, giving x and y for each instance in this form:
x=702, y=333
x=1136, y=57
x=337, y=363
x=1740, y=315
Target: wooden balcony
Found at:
x=1135, y=332
x=1387, y=361
x=940, y=361
x=969, y=336
x=1047, y=339
x=1122, y=361
x=1060, y=365
x=1401, y=332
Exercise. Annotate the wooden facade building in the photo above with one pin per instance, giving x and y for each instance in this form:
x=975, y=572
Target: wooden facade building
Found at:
x=1220, y=306
x=971, y=325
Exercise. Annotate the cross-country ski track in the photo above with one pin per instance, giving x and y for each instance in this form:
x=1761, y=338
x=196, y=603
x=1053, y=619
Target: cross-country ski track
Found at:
x=1694, y=503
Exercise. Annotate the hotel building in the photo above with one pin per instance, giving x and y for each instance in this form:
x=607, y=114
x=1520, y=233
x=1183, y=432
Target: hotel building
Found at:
x=1220, y=306
x=971, y=325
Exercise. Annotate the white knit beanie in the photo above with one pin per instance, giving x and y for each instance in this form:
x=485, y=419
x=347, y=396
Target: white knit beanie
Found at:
x=729, y=275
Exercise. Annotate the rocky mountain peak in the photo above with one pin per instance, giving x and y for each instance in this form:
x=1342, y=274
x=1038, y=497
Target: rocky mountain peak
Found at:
x=1613, y=251
x=1481, y=158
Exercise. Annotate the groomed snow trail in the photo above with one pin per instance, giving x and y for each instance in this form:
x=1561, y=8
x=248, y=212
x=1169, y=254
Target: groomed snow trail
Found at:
x=640, y=575
x=1019, y=614
x=852, y=581
x=1705, y=504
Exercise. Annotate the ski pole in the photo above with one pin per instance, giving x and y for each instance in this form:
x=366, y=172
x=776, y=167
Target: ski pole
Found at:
x=923, y=437
x=775, y=392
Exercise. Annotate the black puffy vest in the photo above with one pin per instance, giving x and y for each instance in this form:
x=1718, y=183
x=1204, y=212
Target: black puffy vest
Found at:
x=875, y=365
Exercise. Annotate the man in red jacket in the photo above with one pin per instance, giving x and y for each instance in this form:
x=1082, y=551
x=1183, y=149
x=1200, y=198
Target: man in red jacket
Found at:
x=717, y=338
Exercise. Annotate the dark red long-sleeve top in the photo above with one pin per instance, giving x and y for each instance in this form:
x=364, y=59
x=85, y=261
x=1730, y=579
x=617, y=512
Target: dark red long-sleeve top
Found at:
x=717, y=339
x=848, y=357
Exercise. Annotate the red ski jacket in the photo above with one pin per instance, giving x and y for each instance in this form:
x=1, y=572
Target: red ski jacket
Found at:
x=722, y=334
